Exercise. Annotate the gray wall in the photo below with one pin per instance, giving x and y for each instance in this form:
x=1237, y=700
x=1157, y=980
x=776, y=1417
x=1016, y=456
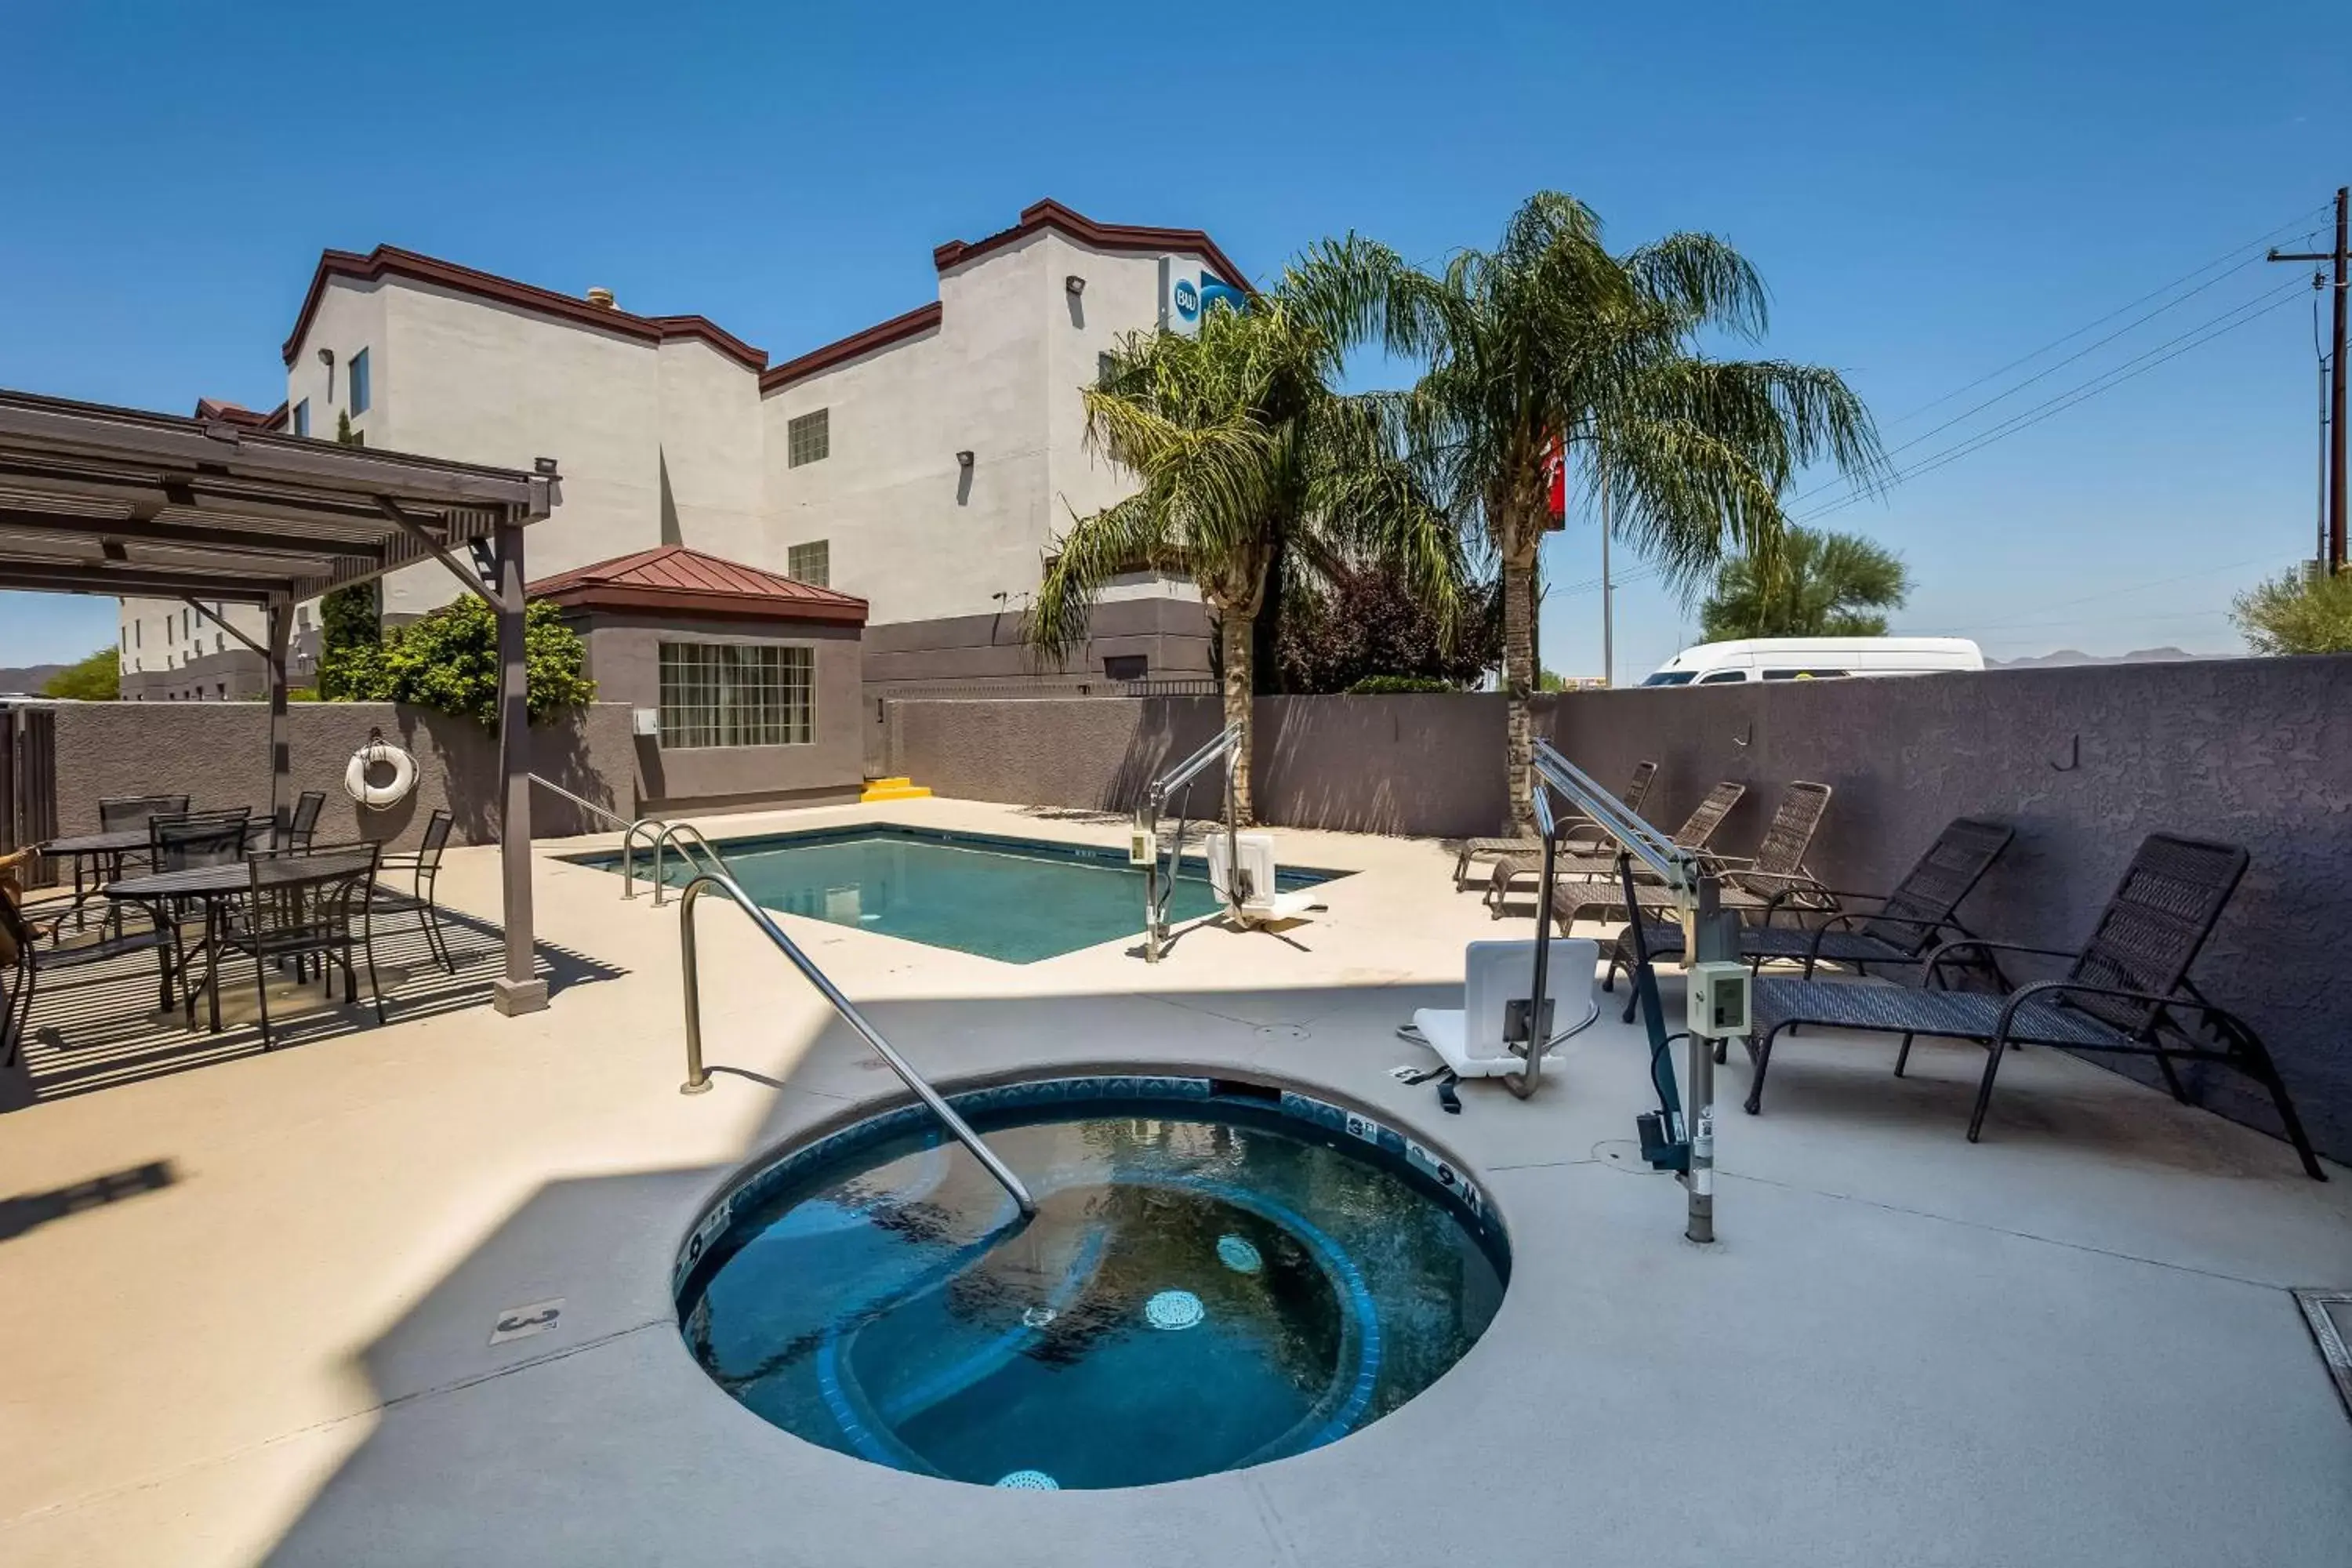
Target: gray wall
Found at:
x=1174, y=634
x=218, y=753
x=2083, y=762
x=624, y=660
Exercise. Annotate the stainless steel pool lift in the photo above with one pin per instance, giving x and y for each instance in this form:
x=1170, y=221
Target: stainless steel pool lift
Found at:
x=1144, y=850
x=663, y=832
x=1710, y=934
x=697, y=1077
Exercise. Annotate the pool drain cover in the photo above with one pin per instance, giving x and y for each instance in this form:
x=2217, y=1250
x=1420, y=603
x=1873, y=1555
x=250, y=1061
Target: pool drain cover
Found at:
x=2329, y=1313
x=1029, y=1481
x=1239, y=1254
x=1174, y=1309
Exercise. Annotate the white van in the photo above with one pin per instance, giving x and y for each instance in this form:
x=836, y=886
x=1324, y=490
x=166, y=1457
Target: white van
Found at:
x=1814, y=658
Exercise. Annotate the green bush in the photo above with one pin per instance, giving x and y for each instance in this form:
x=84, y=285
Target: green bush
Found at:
x=449, y=661
x=98, y=678
x=1399, y=685
x=2297, y=612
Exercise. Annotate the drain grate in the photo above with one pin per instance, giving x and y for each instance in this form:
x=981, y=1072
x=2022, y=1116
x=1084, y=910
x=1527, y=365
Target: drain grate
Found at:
x=2329, y=1313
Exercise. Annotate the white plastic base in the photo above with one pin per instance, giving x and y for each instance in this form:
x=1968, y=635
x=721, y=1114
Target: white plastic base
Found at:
x=1469, y=1039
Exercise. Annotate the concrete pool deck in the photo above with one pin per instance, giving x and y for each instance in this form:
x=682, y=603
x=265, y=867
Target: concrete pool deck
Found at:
x=2073, y=1343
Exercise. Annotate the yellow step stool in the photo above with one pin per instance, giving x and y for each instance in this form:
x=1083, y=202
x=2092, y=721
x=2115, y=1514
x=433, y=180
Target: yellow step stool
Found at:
x=893, y=789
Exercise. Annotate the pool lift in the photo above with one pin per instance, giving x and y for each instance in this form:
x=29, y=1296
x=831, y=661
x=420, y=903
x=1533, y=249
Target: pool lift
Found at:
x=1718, y=998
x=1144, y=845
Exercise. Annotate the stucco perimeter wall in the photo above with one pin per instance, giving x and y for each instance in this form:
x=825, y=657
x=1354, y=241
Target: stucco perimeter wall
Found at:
x=218, y=754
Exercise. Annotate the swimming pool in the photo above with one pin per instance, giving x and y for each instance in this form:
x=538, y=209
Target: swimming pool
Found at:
x=1218, y=1275
x=1016, y=900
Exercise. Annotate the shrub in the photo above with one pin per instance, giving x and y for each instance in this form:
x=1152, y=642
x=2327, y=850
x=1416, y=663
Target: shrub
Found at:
x=449, y=661
x=2300, y=611
x=98, y=678
x=1399, y=685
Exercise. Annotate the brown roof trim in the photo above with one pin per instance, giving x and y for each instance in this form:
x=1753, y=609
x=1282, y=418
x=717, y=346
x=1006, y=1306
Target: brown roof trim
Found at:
x=387, y=260
x=915, y=323
x=229, y=413
x=723, y=606
x=1050, y=214
x=672, y=579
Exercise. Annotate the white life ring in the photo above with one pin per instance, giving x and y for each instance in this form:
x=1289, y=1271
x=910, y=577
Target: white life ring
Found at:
x=379, y=798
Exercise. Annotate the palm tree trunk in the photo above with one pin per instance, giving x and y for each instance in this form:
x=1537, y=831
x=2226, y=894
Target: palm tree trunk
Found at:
x=1236, y=631
x=1519, y=680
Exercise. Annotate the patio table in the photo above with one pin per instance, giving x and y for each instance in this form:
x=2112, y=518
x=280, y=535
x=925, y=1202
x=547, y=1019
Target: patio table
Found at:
x=100, y=852
x=212, y=886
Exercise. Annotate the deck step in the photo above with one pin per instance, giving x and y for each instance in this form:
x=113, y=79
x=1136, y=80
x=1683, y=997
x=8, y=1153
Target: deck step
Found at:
x=893, y=789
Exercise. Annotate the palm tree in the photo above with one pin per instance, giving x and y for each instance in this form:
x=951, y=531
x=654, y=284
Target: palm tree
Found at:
x=1824, y=585
x=1256, y=478
x=1550, y=338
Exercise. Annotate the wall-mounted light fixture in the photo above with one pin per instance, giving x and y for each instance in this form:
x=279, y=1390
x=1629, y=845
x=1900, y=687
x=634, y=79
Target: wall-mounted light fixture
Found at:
x=543, y=466
x=964, y=460
x=327, y=358
x=1075, y=284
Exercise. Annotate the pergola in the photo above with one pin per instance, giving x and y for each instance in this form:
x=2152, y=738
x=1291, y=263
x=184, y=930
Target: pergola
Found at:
x=119, y=502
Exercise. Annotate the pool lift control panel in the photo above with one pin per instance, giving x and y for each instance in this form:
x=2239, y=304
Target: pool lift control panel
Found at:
x=1720, y=992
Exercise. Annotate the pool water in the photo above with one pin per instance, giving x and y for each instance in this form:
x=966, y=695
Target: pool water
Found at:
x=1210, y=1283
x=1014, y=900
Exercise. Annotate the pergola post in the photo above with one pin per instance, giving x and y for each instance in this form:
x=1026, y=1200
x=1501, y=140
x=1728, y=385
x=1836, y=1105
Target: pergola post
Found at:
x=280, y=619
x=522, y=990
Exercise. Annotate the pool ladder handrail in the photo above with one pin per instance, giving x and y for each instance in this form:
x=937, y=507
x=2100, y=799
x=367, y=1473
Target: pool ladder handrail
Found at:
x=661, y=827
x=675, y=832
x=697, y=1078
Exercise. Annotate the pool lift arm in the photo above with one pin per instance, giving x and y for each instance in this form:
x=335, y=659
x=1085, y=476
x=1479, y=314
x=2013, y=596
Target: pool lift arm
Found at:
x=1718, y=991
x=1144, y=846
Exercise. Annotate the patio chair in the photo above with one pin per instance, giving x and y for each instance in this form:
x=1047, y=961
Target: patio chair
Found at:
x=1776, y=871
x=1696, y=829
x=125, y=814
x=1917, y=912
x=424, y=864
x=2126, y=990
x=32, y=960
x=184, y=843
x=1636, y=789
x=303, y=824
x=328, y=920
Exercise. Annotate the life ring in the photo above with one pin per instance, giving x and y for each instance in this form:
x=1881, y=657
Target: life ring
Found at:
x=379, y=798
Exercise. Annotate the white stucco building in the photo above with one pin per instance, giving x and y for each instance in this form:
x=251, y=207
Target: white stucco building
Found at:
x=923, y=465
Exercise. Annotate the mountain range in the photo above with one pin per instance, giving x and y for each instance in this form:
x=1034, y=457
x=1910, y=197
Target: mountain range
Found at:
x=2066, y=657
x=28, y=679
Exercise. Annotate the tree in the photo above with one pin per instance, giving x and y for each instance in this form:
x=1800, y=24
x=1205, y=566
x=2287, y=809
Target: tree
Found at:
x=2300, y=611
x=1256, y=478
x=96, y=678
x=449, y=660
x=1551, y=339
x=350, y=627
x=1824, y=585
x=1370, y=626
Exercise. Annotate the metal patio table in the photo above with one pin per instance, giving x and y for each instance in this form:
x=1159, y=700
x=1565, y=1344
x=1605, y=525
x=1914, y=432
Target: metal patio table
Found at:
x=212, y=886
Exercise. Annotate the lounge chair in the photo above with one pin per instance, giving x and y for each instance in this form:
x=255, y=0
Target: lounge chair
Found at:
x=1916, y=912
x=1495, y=848
x=2127, y=991
x=1775, y=872
x=1694, y=834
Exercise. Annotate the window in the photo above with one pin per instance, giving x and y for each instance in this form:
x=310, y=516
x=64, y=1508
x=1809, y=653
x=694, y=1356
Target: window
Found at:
x=302, y=417
x=1721, y=676
x=736, y=694
x=1669, y=677
x=359, y=381
x=1127, y=667
x=138, y=634
x=1805, y=674
x=808, y=438
x=811, y=563
x=1104, y=365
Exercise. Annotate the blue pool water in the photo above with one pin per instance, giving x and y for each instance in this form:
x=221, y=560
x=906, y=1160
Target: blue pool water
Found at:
x=1217, y=1275
x=1017, y=899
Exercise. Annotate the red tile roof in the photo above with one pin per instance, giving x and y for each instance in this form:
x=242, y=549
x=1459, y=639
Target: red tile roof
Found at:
x=676, y=579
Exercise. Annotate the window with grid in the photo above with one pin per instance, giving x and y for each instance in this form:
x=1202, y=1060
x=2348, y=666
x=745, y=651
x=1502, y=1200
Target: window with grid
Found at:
x=811, y=563
x=737, y=694
x=808, y=438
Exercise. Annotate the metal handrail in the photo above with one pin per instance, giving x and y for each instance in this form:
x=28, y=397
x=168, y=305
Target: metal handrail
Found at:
x=628, y=838
x=697, y=1078
x=673, y=831
x=1225, y=746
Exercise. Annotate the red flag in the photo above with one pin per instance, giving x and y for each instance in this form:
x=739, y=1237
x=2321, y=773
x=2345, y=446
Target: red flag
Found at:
x=1555, y=463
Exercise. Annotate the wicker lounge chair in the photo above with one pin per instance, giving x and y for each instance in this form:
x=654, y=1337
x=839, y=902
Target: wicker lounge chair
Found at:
x=2127, y=991
x=1695, y=830
x=1917, y=913
x=1495, y=848
x=1775, y=873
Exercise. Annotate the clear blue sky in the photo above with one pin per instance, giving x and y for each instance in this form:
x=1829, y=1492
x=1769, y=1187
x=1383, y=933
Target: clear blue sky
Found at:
x=1930, y=192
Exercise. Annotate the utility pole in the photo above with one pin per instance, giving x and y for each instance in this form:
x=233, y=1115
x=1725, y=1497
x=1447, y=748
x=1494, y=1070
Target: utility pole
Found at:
x=1608, y=592
x=2342, y=256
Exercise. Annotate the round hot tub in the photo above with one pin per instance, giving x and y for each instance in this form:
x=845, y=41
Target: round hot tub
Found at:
x=1218, y=1274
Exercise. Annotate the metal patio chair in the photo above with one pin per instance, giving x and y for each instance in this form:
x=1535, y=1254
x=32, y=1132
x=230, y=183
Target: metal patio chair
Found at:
x=1775, y=872
x=34, y=959
x=326, y=917
x=424, y=864
x=1474, y=850
x=1694, y=834
x=1918, y=911
x=2126, y=990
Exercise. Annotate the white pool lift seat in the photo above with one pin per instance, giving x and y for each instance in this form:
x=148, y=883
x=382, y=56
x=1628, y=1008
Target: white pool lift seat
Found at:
x=1265, y=901
x=1472, y=1038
